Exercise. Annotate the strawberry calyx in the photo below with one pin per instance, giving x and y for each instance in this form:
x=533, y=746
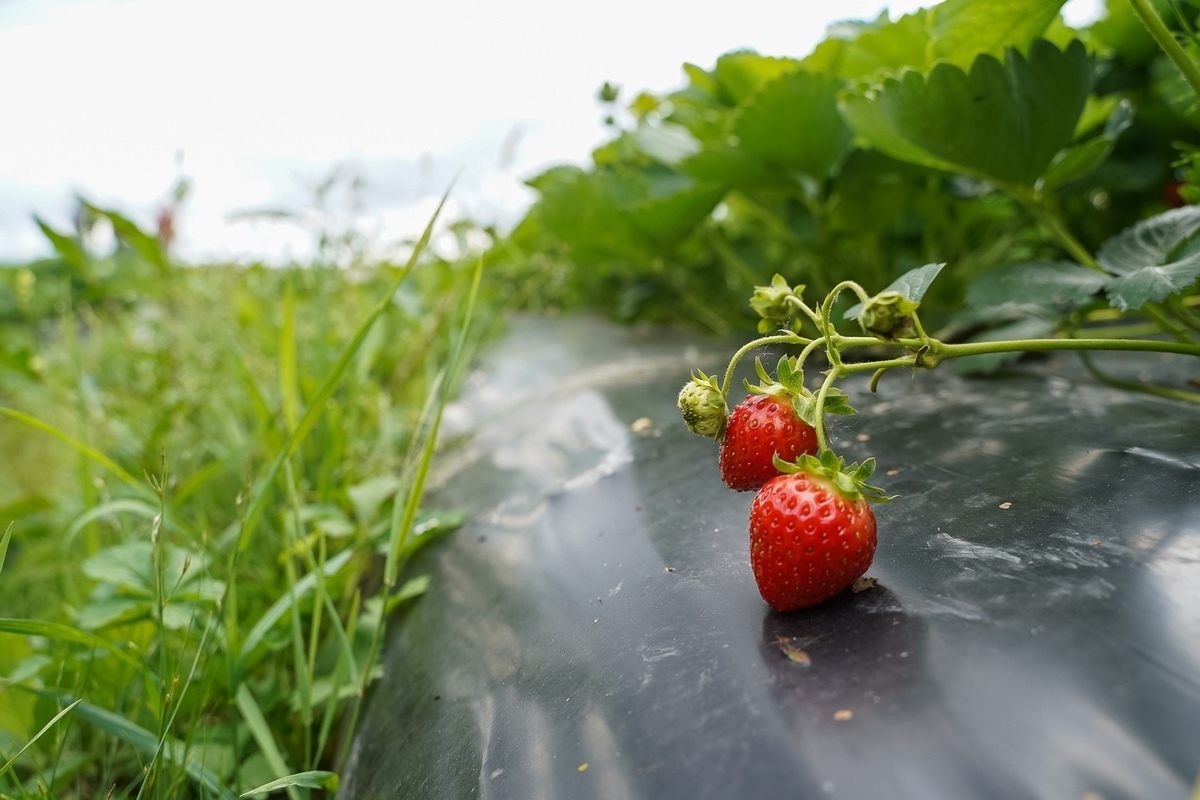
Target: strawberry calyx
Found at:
x=850, y=481
x=788, y=386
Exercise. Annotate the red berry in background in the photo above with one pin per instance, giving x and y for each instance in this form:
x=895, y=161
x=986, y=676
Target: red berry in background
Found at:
x=1171, y=195
x=760, y=428
x=812, y=533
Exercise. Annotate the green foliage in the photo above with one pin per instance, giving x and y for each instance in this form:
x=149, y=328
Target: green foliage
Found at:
x=1053, y=283
x=1003, y=122
x=160, y=412
x=985, y=135
x=1154, y=259
x=792, y=123
x=962, y=30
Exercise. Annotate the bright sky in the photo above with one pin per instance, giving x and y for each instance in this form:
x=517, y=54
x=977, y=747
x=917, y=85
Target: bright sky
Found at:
x=264, y=97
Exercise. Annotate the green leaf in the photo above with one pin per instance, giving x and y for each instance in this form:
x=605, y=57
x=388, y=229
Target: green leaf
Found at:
x=128, y=232
x=283, y=605
x=1000, y=122
x=68, y=248
x=621, y=212
x=1082, y=159
x=1151, y=259
x=66, y=633
x=45, y=729
x=740, y=74
x=259, y=729
x=113, y=611
x=861, y=50
x=315, y=779
x=411, y=589
x=960, y=30
x=129, y=565
x=674, y=205
x=1057, y=283
x=912, y=285
x=146, y=743
x=666, y=142
x=793, y=122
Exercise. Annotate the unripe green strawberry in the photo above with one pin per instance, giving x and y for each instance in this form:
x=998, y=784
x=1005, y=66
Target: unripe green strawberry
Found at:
x=703, y=406
x=812, y=532
x=760, y=428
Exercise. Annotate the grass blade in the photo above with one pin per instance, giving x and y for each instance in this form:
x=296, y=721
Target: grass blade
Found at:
x=316, y=779
x=142, y=740
x=65, y=633
x=403, y=517
x=402, y=528
x=289, y=382
x=109, y=510
x=283, y=604
x=40, y=734
x=253, y=717
x=4, y=544
x=90, y=452
x=316, y=406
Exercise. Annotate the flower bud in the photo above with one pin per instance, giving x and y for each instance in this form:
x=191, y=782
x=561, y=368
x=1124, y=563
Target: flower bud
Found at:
x=771, y=303
x=888, y=315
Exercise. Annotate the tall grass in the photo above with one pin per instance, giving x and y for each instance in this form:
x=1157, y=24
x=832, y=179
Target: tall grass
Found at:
x=211, y=490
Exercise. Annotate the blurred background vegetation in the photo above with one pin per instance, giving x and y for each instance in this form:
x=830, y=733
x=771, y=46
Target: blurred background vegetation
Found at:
x=211, y=471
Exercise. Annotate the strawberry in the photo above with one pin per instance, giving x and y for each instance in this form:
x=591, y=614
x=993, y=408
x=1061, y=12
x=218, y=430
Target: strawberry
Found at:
x=760, y=428
x=812, y=531
x=776, y=420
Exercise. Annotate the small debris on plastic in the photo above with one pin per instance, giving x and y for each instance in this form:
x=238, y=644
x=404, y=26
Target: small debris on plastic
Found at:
x=862, y=584
x=792, y=653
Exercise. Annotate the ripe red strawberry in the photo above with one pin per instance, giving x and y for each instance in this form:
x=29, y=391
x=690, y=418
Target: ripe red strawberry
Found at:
x=760, y=428
x=812, y=532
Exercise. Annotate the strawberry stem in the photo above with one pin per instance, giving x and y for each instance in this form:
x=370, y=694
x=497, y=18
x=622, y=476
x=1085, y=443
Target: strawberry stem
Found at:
x=780, y=338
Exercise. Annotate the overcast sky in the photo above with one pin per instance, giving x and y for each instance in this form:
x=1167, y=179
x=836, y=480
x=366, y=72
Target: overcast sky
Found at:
x=264, y=97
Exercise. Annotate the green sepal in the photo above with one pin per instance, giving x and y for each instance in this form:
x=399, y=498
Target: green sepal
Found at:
x=787, y=383
x=850, y=481
x=788, y=386
x=836, y=402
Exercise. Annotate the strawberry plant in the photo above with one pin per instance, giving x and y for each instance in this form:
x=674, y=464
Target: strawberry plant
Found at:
x=812, y=533
x=986, y=135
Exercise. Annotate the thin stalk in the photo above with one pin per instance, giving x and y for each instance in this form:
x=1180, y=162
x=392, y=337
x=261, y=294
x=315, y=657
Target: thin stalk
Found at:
x=1051, y=221
x=781, y=338
x=940, y=351
x=822, y=438
x=1165, y=323
x=1135, y=386
x=1181, y=313
x=1167, y=41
